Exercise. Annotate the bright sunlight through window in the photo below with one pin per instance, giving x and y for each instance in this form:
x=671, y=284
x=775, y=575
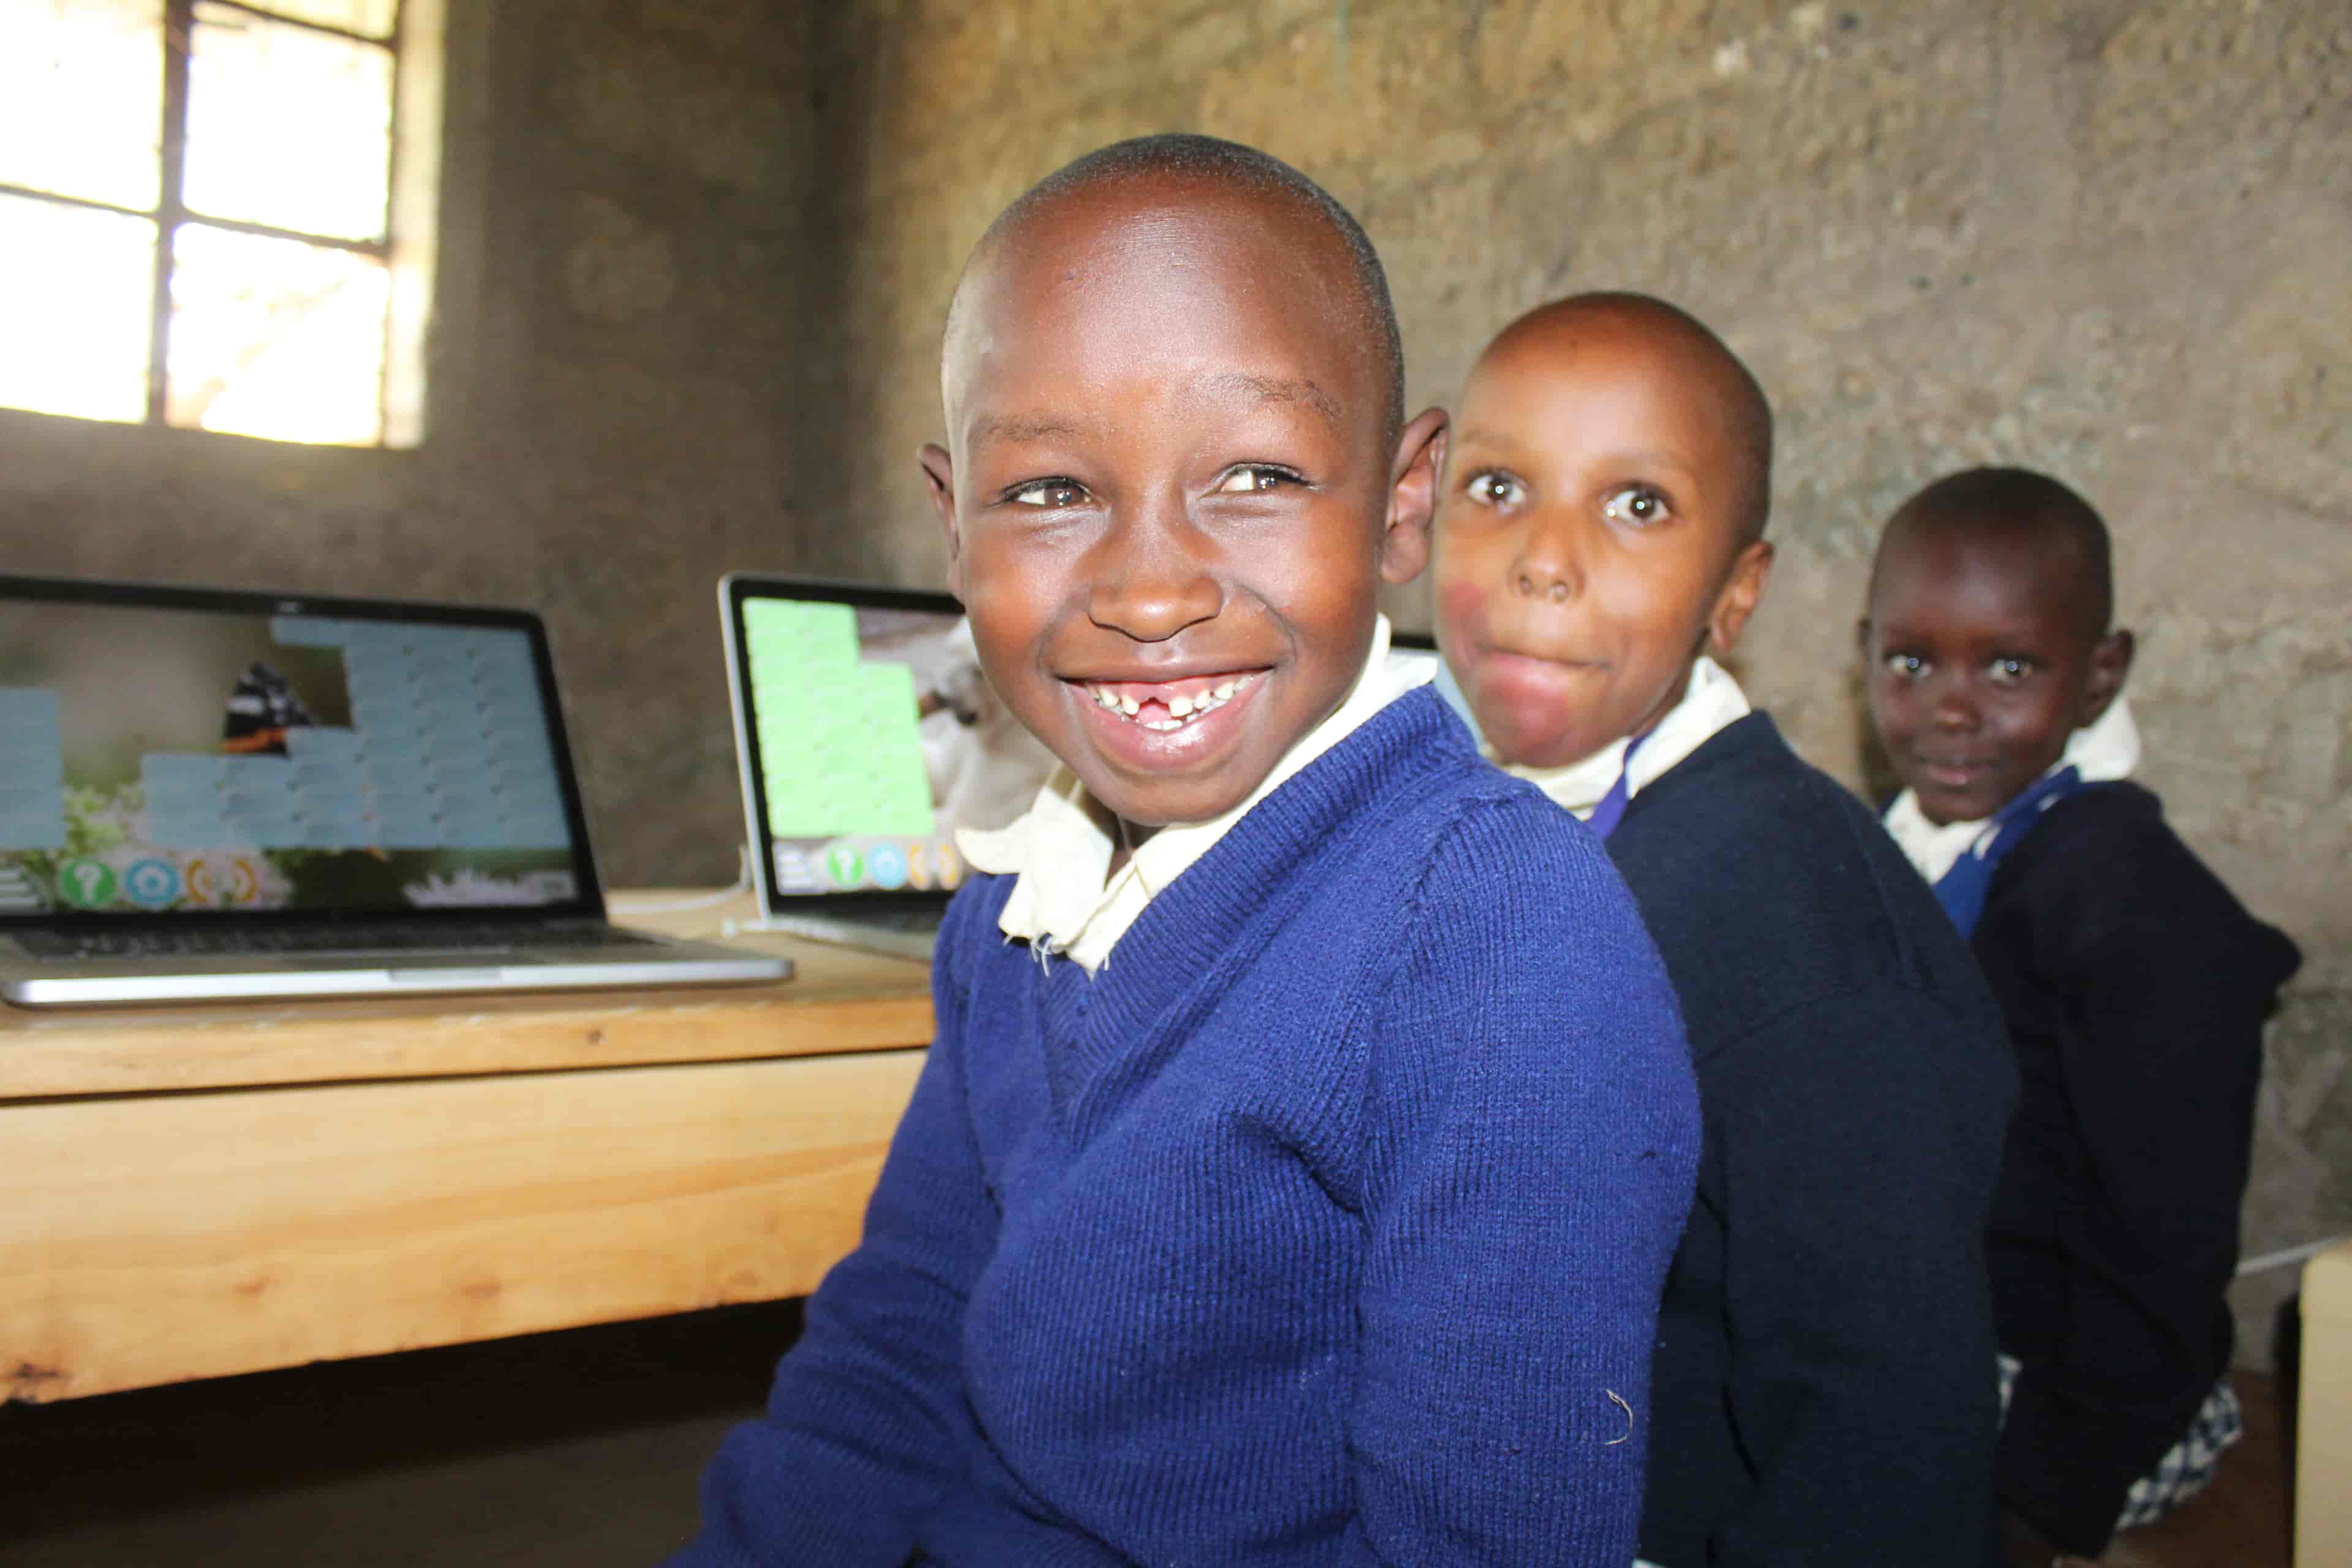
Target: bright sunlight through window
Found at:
x=217, y=215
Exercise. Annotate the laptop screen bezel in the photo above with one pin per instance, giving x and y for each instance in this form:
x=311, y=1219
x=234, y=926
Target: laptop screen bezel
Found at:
x=736, y=590
x=589, y=902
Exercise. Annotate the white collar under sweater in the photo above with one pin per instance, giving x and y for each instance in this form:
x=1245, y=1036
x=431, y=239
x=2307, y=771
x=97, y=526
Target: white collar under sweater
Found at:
x=1067, y=901
x=1711, y=702
x=2102, y=752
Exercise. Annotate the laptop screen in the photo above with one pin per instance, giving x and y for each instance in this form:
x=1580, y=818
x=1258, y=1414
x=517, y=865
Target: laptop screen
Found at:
x=866, y=736
x=167, y=750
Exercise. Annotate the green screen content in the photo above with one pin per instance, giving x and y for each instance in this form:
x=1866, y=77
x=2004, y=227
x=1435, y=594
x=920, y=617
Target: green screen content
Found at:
x=839, y=751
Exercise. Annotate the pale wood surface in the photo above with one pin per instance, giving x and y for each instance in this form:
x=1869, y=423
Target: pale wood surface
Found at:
x=840, y=1000
x=151, y=1238
x=341, y=1179
x=2323, y=1483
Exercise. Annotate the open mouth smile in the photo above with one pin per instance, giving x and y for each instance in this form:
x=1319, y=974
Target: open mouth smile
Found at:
x=1165, y=706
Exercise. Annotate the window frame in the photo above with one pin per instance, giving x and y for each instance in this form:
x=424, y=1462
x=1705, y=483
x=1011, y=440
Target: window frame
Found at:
x=404, y=247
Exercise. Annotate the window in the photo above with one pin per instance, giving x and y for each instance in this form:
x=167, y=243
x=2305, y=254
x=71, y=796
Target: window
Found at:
x=216, y=215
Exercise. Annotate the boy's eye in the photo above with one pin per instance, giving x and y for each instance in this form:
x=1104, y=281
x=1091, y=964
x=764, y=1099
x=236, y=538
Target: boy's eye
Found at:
x=1496, y=490
x=1255, y=479
x=1048, y=493
x=2009, y=671
x=1906, y=666
x=1638, y=506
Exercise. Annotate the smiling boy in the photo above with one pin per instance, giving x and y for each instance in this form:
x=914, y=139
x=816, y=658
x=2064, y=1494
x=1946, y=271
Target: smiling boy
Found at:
x=1308, y=1122
x=2133, y=986
x=1819, y=1379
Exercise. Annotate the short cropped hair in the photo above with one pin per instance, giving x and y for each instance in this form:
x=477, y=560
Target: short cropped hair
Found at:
x=2027, y=503
x=1210, y=158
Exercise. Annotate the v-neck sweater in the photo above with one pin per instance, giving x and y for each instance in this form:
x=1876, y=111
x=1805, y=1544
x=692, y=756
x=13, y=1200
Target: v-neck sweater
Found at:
x=1325, y=1228
x=1820, y=1381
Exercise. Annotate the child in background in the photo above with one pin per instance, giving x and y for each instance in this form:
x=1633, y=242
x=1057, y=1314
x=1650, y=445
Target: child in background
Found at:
x=1819, y=1382
x=1308, y=1122
x=2133, y=983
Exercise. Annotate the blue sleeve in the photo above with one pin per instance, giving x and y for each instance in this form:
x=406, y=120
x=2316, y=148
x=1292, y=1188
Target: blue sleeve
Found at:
x=1531, y=1140
x=860, y=1437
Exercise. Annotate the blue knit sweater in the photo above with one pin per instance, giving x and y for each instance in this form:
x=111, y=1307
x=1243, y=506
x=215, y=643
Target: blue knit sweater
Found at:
x=1325, y=1225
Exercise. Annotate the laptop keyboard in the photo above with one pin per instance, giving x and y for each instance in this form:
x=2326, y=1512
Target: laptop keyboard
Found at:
x=230, y=941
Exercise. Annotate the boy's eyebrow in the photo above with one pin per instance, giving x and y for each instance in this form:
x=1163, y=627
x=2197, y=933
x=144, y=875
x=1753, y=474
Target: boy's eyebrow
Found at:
x=1022, y=427
x=1470, y=436
x=1227, y=385
x=1274, y=389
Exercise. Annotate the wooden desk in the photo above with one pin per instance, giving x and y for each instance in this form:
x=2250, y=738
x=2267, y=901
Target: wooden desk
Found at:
x=191, y=1191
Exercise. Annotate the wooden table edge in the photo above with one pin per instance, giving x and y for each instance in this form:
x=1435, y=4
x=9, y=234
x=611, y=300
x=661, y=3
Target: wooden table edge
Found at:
x=838, y=1001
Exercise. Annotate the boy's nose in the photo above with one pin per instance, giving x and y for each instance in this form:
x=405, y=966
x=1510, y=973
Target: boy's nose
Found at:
x=1953, y=710
x=1547, y=567
x=1151, y=582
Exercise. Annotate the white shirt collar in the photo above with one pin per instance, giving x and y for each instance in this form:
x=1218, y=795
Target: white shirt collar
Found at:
x=1712, y=702
x=1065, y=900
x=2102, y=752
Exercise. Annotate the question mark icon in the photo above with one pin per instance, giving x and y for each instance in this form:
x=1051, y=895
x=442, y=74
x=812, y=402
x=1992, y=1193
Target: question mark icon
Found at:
x=87, y=883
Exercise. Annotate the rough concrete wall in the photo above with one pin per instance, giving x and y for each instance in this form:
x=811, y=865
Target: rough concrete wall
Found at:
x=2105, y=238
x=612, y=399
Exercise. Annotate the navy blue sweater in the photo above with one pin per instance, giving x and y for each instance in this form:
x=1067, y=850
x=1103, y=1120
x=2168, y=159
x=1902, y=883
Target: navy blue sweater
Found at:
x=1325, y=1225
x=2135, y=987
x=1824, y=1387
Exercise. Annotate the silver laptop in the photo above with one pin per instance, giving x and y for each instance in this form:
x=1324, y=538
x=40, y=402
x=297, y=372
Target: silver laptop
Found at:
x=209, y=796
x=865, y=736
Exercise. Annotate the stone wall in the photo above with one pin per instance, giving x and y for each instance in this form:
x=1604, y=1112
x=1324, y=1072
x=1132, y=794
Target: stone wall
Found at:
x=696, y=251
x=2103, y=237
x=613, y=417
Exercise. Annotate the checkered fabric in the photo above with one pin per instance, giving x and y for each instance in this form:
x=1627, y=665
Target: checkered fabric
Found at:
x=2187, y=1467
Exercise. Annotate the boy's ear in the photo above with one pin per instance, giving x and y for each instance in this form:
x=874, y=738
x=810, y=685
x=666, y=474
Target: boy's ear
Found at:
x=1742, y=591
x=2111, y=658
x=939, y=475
x=1412, y=497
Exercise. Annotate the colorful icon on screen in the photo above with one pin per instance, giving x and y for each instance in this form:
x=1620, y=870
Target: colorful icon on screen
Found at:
x=951, y=867
x=19, y=893
x=794, y=872
x=221, y=880
x=845, y=865
x=919, y=866
x=152, y=884
x=85, y=883
x=887, y=863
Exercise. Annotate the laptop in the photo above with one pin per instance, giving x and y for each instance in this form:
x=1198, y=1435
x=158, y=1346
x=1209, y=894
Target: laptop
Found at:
x=210, y=796
x=866, y=735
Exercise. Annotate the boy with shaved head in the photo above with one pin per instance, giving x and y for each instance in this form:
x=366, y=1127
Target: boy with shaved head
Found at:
x=1819, y=1386
x=2134, y=984
x=1308, y=1122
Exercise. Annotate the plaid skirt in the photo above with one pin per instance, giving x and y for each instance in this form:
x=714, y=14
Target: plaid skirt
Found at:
x=2187, y=1467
